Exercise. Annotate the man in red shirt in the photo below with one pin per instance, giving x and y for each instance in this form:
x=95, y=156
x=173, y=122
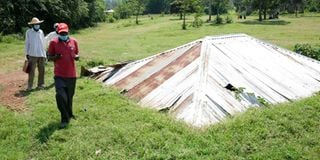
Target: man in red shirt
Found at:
x=64, y=51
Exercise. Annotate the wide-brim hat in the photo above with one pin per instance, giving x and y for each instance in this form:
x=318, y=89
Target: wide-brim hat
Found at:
x=35, y=21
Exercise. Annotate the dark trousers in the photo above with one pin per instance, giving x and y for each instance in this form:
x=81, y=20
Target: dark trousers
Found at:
x=65, y=88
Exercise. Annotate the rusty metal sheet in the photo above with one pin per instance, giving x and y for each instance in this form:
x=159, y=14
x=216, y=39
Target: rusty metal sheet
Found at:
x=150, y=83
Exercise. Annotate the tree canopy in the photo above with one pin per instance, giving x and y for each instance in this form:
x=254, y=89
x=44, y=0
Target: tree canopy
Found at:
x=15, y=14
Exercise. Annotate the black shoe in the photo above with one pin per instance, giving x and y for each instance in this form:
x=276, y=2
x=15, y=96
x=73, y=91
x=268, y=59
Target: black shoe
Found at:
x=63, y=125
x=40, y=88
x=73, y=117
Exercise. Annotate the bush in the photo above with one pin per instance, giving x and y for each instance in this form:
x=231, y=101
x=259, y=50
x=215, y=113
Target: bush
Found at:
x=229, y=19
x=94, y=63
x=162, y=14
x=111, y=18
x=11, y=38
x=218, y=20
x=127, y=24
x=184, y=26
x=308, y=50
x=197, y=21
x=123, y=11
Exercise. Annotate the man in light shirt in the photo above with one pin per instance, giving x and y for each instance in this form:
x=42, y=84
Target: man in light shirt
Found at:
x=51, y=35
x=35, y=53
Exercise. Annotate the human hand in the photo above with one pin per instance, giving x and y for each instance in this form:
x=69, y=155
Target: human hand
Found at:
x=58, y=55
x=77, y=57
x=53, y=57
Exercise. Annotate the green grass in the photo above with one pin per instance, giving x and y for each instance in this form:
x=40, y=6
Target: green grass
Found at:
x=120, y=129
x=117, y=42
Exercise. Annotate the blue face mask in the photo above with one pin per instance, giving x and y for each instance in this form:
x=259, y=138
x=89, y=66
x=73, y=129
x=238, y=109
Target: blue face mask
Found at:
x=63, y=38
x=36, y=27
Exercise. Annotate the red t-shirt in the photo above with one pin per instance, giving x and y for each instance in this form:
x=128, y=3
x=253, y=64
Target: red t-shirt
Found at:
x=64, y=66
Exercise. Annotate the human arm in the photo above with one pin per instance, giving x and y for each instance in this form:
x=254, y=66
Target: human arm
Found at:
x=27, y=45
x=48, y=38
x=52, y=55
x=77, y=57
x=44, y=45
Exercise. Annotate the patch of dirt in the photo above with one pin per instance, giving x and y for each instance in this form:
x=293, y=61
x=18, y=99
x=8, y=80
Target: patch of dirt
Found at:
x=12, y=94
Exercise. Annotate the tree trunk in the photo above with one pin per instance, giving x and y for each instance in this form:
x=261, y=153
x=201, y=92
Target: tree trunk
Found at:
x=210, y=11
x=181, y=15
x=137, y=15
x=184, y=27
x=137, y=21
x=296, y=10
x=260, y=12
x=265, y=13
x=16, y=16
x=218, y=11
x=245, y=13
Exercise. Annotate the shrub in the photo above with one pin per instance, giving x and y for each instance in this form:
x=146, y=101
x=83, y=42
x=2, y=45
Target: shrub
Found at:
x=94, y=63
x=229, y=19
x=184, y=26
x=111, y=18
x=123, y=11
x=162, y=14
x=308, y=50
x=11, y=38
x=127, y=24
x=197, y=21
x=218, y=20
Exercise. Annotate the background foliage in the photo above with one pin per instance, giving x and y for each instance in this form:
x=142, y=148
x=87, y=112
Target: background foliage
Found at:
x=15, y=14
x=308, y=50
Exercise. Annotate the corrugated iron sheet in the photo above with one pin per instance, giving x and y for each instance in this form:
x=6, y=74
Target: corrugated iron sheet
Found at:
x=190, y=81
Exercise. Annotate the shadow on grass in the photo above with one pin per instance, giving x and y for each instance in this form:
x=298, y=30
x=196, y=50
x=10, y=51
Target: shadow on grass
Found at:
x=215, y=24
x=175, y=19
x=266, y=22
x=44, y=134
x=24, y=93
x=310, y=16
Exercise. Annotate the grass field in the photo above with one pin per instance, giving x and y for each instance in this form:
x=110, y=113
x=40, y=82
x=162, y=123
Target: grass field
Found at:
x=110, y=126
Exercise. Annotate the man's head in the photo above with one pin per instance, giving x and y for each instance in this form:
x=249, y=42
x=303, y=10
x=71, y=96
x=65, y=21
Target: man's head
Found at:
x=35, y=23
x=63, y=28
x=55, y=26
x=63, y=31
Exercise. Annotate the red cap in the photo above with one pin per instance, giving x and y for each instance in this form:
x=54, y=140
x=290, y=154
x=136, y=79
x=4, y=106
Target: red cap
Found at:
x=62, y=27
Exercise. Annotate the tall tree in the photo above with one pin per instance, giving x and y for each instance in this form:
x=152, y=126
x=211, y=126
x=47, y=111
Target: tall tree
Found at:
x=123, y=10
x=96, y=11
x=220, y=5
x=298, y=4
x=258, y=5
x=137, y=7
x=185, y=6
x=208, y=4
x=158, y=6
x=242, y=6
x=176, y=7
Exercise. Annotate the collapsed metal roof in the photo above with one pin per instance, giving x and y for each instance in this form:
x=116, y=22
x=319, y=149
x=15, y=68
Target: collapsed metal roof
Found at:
x=199, y=82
